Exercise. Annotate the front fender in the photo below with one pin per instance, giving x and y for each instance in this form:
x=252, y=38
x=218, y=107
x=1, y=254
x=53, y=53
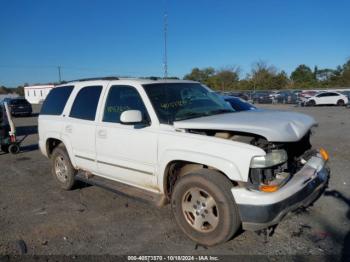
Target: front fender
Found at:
x=226, y=166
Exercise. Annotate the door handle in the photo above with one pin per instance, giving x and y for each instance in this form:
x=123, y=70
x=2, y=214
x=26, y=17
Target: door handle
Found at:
x=69, y=129
x=102, y=133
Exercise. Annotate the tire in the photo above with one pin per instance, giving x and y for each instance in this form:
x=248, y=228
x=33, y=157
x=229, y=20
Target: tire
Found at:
x=62, y=168
x=340, y=102
x=13, y=149
x=216, y=224
x=5, y=148
x=311, y=103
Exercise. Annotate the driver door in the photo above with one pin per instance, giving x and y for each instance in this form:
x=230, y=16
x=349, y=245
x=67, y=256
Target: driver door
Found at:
x=127, y=153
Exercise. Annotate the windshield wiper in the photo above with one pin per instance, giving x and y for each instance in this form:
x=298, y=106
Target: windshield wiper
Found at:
x=190, y=115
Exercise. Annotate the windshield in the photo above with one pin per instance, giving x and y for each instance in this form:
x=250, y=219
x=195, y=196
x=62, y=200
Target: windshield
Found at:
x=180, y=101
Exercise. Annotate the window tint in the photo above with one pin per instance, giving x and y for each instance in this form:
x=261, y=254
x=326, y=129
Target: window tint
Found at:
x=327, y=94
x=85, y=103
x=333, y=94
x=56, y=100
x=120, y=99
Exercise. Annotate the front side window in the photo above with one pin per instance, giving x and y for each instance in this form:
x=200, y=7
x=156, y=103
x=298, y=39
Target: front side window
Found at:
x=56, y=100
x=181, y=101
x=122, y=98
x=85, y=103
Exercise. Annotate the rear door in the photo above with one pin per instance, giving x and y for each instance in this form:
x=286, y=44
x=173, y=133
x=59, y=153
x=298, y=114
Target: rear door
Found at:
x=80, y=126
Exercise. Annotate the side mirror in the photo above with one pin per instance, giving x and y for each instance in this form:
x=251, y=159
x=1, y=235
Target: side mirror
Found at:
x=130, y=117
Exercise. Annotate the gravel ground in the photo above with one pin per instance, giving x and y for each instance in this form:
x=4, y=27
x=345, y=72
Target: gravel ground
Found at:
x=90, y=220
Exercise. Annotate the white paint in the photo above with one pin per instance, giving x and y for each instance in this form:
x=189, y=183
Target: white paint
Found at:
x=37, y=94
x=140, y=156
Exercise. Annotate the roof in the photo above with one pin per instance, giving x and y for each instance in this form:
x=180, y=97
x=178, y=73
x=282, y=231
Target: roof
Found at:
x=141, y=81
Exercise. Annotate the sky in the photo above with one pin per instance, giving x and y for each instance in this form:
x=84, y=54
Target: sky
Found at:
x=90, y=38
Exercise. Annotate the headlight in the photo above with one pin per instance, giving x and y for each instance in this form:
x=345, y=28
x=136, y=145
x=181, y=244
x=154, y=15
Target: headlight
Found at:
x=273, y=158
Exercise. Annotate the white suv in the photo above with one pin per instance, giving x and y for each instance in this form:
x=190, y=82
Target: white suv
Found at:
x=179, y=142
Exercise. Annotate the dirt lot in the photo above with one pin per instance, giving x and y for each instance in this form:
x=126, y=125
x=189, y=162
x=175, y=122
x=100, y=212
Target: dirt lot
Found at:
x=91, y=220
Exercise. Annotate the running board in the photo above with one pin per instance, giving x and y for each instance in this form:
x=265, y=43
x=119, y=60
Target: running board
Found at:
x=122, y=189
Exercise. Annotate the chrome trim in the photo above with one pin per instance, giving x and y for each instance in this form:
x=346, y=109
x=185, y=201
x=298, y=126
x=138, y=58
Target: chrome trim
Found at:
x=86, y=158
x=129, y=168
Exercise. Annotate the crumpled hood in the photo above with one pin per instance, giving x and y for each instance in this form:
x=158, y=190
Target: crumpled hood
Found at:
x=275, y=126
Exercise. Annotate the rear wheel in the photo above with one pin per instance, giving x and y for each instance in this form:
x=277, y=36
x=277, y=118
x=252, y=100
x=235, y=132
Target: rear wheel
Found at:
x=204, y=207
x=62, y=168
x=340, y=102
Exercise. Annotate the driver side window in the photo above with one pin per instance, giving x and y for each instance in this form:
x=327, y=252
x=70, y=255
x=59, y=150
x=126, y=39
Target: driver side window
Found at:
x=120, y=99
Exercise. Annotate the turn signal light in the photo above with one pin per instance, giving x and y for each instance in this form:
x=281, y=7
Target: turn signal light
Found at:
x=268, y=188
x=324, y=154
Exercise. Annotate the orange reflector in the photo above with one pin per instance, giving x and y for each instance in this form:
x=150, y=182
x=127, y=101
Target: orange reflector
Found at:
x=324, y=154
x=268, y=188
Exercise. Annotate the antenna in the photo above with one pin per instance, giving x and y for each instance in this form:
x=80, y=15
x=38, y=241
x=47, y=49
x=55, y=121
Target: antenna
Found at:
x=59, y=73
x=165, y=42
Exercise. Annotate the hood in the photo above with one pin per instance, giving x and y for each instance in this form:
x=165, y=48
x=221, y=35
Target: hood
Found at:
x=275, y=126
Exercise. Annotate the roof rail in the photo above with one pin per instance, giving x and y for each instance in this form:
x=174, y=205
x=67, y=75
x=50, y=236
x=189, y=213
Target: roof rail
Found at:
x=95, y=78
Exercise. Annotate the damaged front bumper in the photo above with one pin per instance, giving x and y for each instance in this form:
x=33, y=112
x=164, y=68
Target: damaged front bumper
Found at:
x=259, y=210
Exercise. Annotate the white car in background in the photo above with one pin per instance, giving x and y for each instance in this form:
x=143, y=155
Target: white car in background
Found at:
x=325, y=98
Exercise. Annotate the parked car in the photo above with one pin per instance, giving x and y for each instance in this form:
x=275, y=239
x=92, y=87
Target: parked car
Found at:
x=326, y=98
x=262, y=97
x=346, y=93
x=19, y=106
x=238, y=104
x=306, y=94
x=178, y=142
x=285, y=97
x=240, y=95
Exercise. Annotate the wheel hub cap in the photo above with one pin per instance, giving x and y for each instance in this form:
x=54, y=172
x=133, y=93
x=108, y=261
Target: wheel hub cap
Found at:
x=61, y=169
x=200, y=210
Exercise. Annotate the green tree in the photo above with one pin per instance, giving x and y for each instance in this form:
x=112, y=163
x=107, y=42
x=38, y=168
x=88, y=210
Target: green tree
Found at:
x=267, y=77
x=303, y=76
x=201, y=75
x=226, y=79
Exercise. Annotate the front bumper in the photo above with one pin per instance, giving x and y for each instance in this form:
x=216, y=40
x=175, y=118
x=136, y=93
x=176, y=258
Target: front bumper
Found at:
x=259, y=210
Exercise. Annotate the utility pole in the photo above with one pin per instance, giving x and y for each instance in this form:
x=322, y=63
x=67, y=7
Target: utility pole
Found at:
x=165, y=43
x=59, y=73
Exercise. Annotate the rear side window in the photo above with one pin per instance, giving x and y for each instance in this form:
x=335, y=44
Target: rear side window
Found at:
x=85, y=103
x=56, y=100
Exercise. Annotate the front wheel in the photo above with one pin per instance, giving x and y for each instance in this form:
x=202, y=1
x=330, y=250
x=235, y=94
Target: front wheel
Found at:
x=312, y=103
x=204, y=207
x=62, y=168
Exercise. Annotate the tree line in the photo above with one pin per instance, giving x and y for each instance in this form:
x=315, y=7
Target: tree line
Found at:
x=261, y=77
x=266, y=77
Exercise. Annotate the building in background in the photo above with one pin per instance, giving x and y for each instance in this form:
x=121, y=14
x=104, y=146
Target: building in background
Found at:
x=37, y=94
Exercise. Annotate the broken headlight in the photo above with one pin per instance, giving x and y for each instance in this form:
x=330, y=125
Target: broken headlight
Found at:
x=272, y=158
